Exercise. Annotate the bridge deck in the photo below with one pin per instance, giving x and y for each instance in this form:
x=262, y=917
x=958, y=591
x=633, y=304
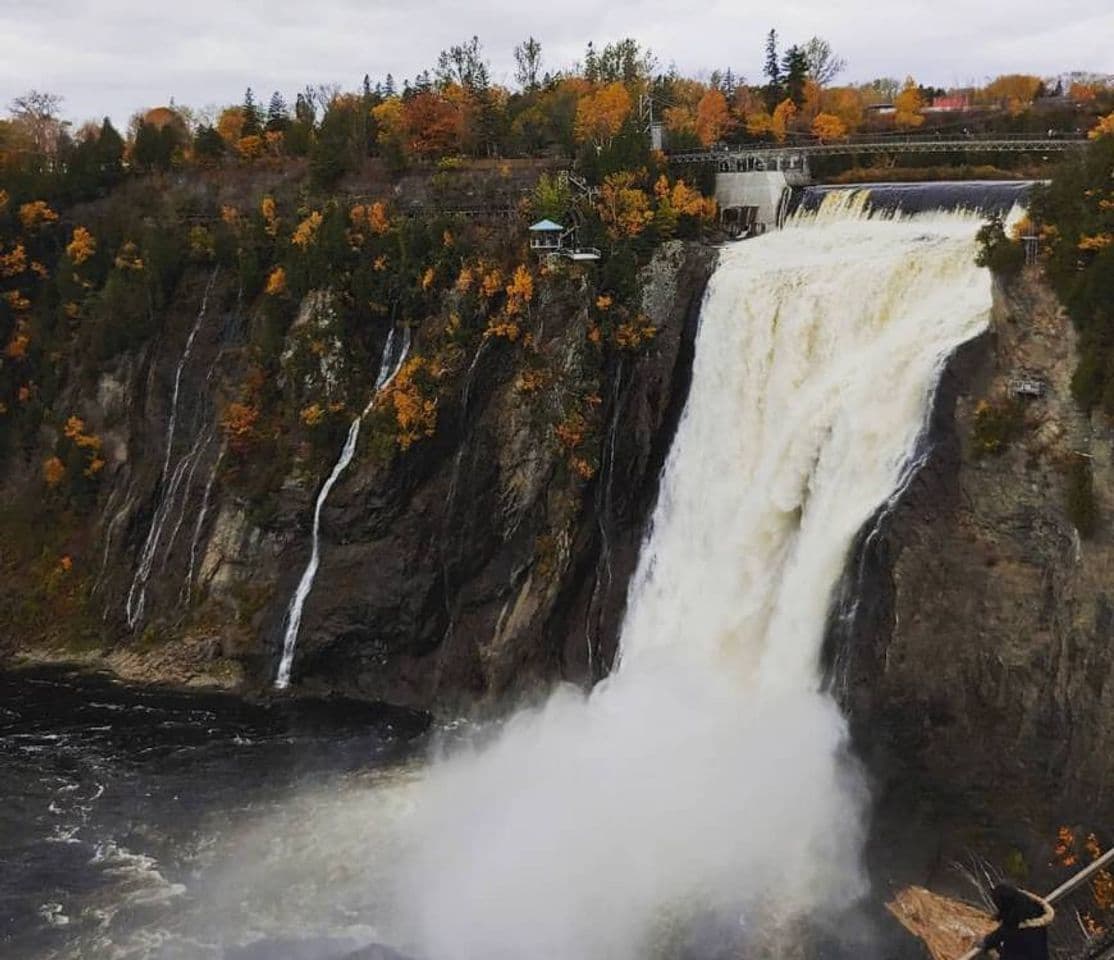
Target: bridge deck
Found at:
x=885, y=145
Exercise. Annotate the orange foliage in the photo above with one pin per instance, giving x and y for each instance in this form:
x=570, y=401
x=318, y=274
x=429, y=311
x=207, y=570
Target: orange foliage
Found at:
x=428, y=277
x=269, y=212
x=276, y=282
x=633, y=334
x=373, y=216
x=828, y=127
x=14, y=262
x=1082, y=92
x=81, y=246
x=238, y=423
x=713, y=119
x=17, y=346
x=492, y=282
x=520, y=291
x=35, y=214
x=306, y=232
x=230, y=215
x=600, y=115
x=4, y=200
x=1096, y=242
x=1104, y=128
x=75, y=431
x=312, y=415
x=231, y=125
x=53, y=471
x=434, y=125
x=759, y=123
x=415, y=413
x=846, y=103
x=250, y=147
x=784, y=113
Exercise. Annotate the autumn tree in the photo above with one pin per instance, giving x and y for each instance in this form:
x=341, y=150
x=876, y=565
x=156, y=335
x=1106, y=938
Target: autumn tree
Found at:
x=624, y=208
x=782, y=117
x=36, y=114
x=828, y=127
x=434, y=124
x=463, y=65
x=1014, y=91
x=601, y=115
x=713, y=118
x=908, y=105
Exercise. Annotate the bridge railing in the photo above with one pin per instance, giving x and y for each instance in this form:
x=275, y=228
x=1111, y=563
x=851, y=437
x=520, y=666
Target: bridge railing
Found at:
x=1013, y=143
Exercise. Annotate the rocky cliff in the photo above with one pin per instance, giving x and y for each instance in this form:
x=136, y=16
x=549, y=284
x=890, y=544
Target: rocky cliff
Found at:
x=972, y=645
x=488, y=557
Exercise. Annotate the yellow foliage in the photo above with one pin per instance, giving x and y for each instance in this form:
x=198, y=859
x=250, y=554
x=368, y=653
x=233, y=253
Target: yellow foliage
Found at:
x=3, y=200
x=312, y=415
x=633, y=334
x=1104, y=128
x=784, y=113
x=65, y=563
x=908, y=106
x=81, y=246
x=520, y=291
x=276, y=282
x=251, y=147
x=39, y=270
x=828, y=127
x=447, y=238
x=230, y=215
x=75, y=431
x=35, y=214
x=503, y=327
x=600, y=115
x=53, y=471
x=379, y=264
x=1096, y=242
x=373, y=216
x=72, y=310
x=531, y=380
x=307, y=230
x=603, y=302
x=492, y=282
x=464, y=280
x=96, y=465
x=428, y=277
x=623, y=207
x=269, y=212
x=14, y=262
x=415, y=413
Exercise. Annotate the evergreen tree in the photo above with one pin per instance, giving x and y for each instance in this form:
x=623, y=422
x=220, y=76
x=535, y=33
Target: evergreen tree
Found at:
x=109, y=152
x=389, y=86
x=278, y=116
x=252, y=124
x=794, y=66
x=772, y=71
x=591, y=64
x=208, y=144
x=304, y=111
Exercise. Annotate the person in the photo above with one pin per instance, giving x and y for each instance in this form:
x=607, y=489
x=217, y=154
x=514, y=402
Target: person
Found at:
x=1023, y=919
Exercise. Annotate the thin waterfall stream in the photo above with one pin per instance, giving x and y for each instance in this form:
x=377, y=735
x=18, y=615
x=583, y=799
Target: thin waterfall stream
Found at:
x=389, y=366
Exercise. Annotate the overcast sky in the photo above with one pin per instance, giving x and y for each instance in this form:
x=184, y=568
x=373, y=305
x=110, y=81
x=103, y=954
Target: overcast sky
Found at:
x=115, y=56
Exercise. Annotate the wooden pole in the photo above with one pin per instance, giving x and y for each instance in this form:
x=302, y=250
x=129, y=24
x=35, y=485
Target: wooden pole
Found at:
x=1063, y=890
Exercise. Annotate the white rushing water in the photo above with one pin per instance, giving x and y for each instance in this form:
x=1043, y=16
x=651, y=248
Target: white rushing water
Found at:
x=168, y=485
x=389, y=365
x=708, y=775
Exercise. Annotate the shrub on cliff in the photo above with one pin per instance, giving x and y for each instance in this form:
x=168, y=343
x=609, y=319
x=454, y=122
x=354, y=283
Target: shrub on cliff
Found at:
x=997, y=424
x=1003, y=256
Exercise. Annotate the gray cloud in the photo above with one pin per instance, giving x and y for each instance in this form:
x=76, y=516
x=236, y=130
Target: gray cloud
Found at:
x=115, y=56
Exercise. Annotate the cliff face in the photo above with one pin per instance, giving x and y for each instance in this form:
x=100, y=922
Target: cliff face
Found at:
x=977, y=665
x=468, y=567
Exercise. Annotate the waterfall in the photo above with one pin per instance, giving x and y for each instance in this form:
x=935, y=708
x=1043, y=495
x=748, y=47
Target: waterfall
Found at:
x=709, y=774
x=137, y=593
x=389, y=365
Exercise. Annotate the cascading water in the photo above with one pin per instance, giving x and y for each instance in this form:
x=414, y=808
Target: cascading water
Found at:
x=708, y=774
x=389, y=366
x=168, y=488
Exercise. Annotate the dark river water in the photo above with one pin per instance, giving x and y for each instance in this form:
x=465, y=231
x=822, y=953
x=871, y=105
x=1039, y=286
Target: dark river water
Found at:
x=145, y=823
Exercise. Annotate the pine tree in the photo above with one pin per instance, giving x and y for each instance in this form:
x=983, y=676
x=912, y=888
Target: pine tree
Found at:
x=109, y=151
x=252, y=125
x=389, y=86
x=278, y=116
x=772, y=70
x=794, y=67
x=528, y=59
